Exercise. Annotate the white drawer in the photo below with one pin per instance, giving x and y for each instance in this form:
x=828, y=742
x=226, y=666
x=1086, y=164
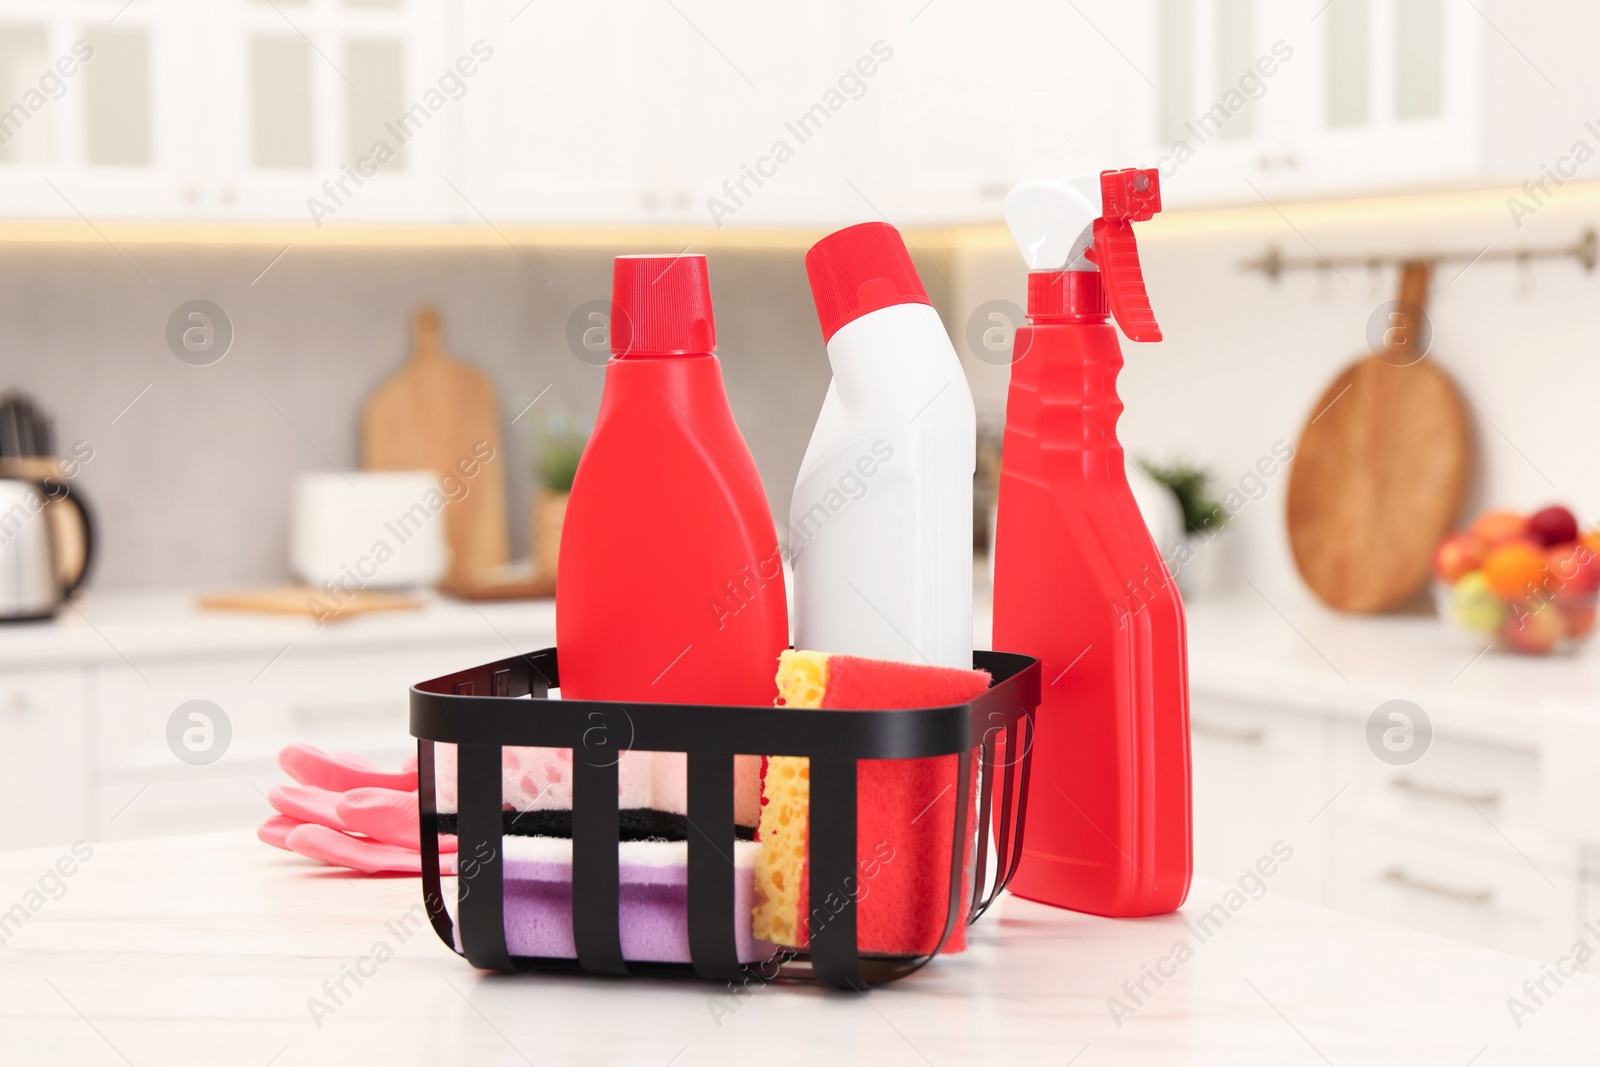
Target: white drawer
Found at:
x=1259, y=776
x=1489, y=897
x=192, y=804
x=1569, y=754
x=175, y=797
x=357, y=702
x=44, y=764
x=1589, y=899
x=1461, y=790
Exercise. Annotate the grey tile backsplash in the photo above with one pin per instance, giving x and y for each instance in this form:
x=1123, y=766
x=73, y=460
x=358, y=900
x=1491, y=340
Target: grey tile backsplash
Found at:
x=191, y=479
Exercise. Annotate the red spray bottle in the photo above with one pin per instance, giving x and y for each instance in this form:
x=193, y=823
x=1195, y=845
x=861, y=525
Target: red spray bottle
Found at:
x=1078, y=582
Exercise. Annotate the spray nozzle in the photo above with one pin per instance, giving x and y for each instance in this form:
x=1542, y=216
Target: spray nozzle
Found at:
x=1086, y=224
x=1130, y=194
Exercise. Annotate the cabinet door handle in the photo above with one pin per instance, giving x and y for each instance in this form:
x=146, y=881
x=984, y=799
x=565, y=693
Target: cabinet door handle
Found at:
x=1398, y=876
x=1435, y=792
x=1248, y=736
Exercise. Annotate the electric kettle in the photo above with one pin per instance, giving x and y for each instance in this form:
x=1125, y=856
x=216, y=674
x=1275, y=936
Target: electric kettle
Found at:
x=46, y=546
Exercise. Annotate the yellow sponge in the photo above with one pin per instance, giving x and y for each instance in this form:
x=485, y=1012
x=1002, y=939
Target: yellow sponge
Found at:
x=781, y=864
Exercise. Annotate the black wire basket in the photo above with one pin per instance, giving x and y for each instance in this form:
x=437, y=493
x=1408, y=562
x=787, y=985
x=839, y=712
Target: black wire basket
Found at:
x=477, y=710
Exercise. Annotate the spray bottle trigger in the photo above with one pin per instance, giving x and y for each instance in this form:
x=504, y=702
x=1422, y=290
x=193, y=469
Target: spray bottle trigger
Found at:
x=1116, y=253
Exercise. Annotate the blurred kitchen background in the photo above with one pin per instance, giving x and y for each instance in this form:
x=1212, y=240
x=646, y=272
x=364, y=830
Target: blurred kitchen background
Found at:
x=315, y=172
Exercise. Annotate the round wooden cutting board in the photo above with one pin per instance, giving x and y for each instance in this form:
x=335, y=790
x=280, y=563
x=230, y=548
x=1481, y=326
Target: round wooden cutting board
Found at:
x=1379, y=475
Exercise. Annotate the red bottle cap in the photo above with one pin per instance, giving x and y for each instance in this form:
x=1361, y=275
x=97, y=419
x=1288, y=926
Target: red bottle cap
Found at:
x=1066, y=296
x=661, y=306
x=858, y=270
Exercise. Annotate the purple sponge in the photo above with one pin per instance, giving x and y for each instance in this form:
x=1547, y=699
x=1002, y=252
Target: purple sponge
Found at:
x=653, y=883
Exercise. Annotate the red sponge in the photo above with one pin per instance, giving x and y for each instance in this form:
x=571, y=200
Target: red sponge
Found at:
x=905, y=817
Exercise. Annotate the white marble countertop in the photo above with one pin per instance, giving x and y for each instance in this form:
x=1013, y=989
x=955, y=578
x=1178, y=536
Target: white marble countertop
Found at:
x=1289, y=651
x=1285, y=650
x=209, y=949
x=150, y=625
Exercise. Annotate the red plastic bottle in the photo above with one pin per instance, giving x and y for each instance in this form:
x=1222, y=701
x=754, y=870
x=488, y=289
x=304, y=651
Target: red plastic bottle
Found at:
x=670, y=585
x=1079, y=583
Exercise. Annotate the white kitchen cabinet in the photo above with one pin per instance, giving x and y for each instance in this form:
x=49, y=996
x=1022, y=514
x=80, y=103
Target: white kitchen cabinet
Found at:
x=1489, y=896
x=693, y=117
x=1471, y=793
x=981, y=97
x=607, y=111
x=205, y=799
x=547, y=130
x=774, y=134
x=45, y=765
x=1401, y=99
x=99, y=108
x=331, y=110
x=687, y=114
x=1452, y=844
x=178, y=109
x=918, y=114
x=1310, y=98
x=86, y=704
x=941, y=138
x=142, y=788
x=1260, y=777
x=595, y=112
x=1589, y=907
x=351, y=702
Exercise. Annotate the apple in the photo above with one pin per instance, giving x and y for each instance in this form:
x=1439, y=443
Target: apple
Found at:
x=1560, y=566
x=1458, y=554
x=1553, y=525
x=1573, y=568
x=1533, y=629
x=1497, y=526
x=1475, y=605
x=1578, y=616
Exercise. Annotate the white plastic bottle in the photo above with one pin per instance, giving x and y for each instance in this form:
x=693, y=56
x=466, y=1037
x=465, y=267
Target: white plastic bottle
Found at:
x=880, y=528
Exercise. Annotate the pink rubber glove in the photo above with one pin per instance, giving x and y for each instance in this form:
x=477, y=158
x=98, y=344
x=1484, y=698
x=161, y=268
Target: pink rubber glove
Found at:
x=347, y=812
x=359, y=854
x=341, y=771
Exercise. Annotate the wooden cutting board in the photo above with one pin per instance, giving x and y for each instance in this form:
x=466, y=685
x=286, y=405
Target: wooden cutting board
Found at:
x=1380, y=471
x=438, y=413
x=517, y=581
x=309, y=601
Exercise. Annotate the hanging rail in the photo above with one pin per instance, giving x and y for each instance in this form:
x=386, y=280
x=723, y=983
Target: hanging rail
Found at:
x=1273, y=263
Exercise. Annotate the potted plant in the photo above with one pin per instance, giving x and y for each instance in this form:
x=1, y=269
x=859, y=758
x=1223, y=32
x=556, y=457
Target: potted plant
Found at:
x=1196, y=565
x=559, y=445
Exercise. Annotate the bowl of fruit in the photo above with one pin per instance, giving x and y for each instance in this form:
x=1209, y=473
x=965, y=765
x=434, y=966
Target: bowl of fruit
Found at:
x=1524, y=583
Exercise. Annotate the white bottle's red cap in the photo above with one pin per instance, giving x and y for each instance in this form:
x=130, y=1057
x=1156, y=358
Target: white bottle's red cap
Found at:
x=661, y=306
x=858, y=270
